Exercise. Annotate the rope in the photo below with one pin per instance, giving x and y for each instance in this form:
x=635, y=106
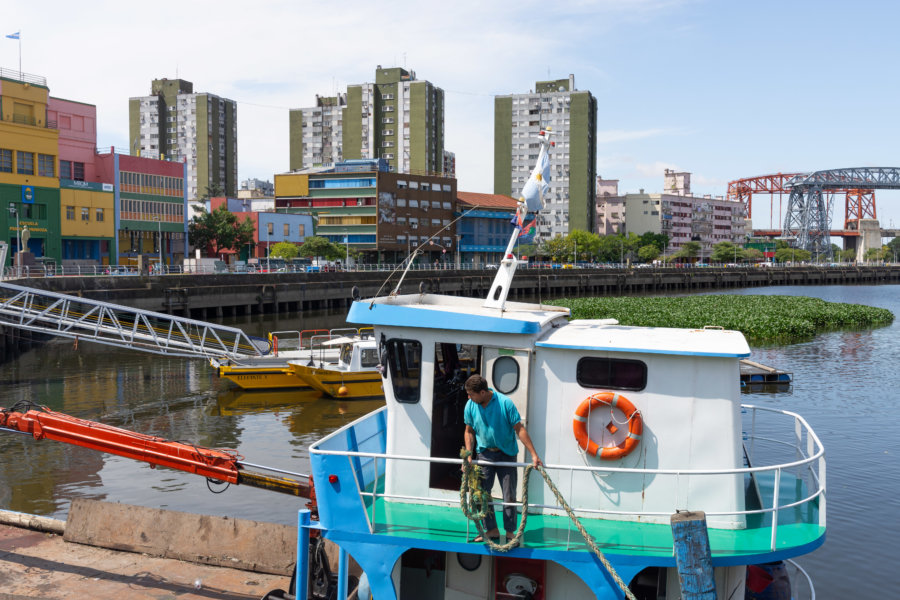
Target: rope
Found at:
x=475, y=502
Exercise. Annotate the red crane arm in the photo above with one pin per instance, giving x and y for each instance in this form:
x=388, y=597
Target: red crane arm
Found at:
x=60, y=427
x=221, y=465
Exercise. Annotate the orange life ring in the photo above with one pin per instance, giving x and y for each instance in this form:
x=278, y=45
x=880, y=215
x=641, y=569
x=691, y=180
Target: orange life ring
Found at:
x=635, y=425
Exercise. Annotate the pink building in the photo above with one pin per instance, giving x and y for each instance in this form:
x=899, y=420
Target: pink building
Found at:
x=77, y=123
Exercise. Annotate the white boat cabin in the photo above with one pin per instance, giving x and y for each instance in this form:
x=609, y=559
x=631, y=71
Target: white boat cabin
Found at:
x=683, y=384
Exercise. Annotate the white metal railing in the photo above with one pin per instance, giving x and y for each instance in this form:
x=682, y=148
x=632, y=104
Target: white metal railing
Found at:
x=811, y=460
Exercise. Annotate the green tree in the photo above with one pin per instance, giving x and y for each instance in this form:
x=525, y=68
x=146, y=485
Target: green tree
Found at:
x=648, y=253
x=219, y=230
x=317, y=246
x=660, y=240
x=874, y=254
x=213, y=190
x=726, y=252
x=847, y=256
x=893, y=248
x=753, y=254
x=585, y=243
x=688, y=250
x=794, y=255
x=557, y=248
x=285, y=250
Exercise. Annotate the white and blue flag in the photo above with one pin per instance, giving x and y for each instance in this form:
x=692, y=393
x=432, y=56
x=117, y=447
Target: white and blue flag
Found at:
x=14, y=36
x=538, y=185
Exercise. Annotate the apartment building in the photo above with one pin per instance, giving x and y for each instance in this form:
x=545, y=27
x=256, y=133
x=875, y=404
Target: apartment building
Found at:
x=572, y=116
x=678, y=214
x=174, y=123
x=397, y=118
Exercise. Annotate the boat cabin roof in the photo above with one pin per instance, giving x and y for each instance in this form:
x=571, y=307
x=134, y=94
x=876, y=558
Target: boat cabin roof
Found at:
x=433, y=311
x=609, y=336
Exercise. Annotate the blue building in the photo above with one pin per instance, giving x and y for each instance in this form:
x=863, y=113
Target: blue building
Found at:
x=484, y=227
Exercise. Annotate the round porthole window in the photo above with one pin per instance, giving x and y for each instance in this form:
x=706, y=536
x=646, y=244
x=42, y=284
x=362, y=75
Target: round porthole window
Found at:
x=469, y=562
x=505, y=375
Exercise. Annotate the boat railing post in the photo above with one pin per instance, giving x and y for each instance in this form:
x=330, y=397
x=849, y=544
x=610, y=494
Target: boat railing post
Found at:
x=302, y=575
x=775, y=501
x=342, y=573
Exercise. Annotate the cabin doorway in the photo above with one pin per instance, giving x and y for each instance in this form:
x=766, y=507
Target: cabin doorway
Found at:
x=453, y=364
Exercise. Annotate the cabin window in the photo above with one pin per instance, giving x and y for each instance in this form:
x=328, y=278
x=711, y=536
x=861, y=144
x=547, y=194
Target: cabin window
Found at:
x=406, y=369
x=505, y=375
x=369, y=358
x=611, y=373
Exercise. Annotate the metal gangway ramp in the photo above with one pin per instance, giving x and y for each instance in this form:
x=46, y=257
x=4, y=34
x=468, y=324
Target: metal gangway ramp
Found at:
x=121, y=326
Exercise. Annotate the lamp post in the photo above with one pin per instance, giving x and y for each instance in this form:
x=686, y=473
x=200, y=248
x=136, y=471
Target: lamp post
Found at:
x=18, y=260
x=159, y=229
x=268, y=264
x=347, y=247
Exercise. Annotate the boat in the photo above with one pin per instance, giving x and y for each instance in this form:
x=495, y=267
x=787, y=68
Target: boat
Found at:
x=640, y=429
x=272, y=371
x=352, y=374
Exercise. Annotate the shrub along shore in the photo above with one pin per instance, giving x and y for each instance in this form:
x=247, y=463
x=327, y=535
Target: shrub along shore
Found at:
x=762, y=319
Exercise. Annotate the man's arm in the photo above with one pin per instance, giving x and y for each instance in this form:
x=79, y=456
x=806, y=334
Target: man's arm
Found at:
x=526, y=440
x=469, y=437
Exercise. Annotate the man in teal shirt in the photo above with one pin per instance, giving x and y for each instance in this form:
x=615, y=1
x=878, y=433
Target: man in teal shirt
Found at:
x=492, y=425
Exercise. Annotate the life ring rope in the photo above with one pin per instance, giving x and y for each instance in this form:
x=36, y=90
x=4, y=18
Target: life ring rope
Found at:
x=633, y=419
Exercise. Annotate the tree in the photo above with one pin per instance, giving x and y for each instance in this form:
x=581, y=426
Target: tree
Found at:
x=753, y=254
x=317, y=246
x=214, y=190
x=585, y=243
x=874, y=254
x=557, y=248
x=893, y=249
x=285, y=250
x=648, y=253
x=660, y=240
x=848, y=255
x=219, y=230
x=792, y=255
x=726, y=252
x=688, y=250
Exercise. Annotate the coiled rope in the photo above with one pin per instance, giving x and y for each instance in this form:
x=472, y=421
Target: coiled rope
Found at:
x=475, y=504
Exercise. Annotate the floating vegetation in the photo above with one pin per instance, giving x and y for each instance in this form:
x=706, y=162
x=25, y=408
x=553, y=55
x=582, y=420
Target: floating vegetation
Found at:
x=759, y=318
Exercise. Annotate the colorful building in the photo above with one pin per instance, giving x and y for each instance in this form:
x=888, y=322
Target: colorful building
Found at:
x=87, y=203
x=150, y=200
x=484, y=227
x=271, y=228
x=29, y=149
x=383, y=215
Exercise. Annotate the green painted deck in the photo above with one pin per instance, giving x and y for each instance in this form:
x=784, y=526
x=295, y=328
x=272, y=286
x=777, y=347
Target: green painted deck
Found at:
x=798, y=530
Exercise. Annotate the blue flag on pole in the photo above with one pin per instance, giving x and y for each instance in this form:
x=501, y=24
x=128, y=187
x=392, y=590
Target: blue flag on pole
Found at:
x=14, y=36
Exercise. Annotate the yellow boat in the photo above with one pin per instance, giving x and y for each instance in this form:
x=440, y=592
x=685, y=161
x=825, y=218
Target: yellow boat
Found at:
x=273, y=371
x=354, y=374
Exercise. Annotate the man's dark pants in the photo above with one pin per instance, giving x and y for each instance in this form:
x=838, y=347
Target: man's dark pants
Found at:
x=508, y=479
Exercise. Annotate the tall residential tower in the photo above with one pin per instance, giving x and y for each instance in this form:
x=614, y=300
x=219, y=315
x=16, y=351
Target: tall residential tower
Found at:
x=174, y=123
x=397, y=118
x=572, y=116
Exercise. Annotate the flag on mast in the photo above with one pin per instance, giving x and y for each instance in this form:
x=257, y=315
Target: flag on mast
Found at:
x=14, y=36
x=538, y=185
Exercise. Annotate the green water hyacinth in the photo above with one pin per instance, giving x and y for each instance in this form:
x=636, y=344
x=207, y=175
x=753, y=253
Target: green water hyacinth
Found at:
x=762, y=319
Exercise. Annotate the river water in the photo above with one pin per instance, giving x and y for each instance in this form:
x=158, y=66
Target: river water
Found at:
x=845, y=385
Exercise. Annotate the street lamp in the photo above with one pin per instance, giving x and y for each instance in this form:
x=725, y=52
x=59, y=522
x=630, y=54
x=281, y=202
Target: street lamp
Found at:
x=159, y=229
x=268, y=264
x=347, y=246
x=15, y=213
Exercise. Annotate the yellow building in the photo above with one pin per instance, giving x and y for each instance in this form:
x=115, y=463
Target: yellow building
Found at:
x=29, y=184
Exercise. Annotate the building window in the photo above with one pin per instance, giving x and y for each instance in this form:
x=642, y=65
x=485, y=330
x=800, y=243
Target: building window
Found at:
x=70, y=213
x=270, y=228
x=85, y=213
x=5, y=160
x=287, y=229
x=45, y=165
x=98, y=215
x=25, y=163
x=65, y=169
x=301, y=229
x=78, y=171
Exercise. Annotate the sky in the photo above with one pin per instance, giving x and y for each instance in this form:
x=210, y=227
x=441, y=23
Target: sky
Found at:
x=722, y=89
